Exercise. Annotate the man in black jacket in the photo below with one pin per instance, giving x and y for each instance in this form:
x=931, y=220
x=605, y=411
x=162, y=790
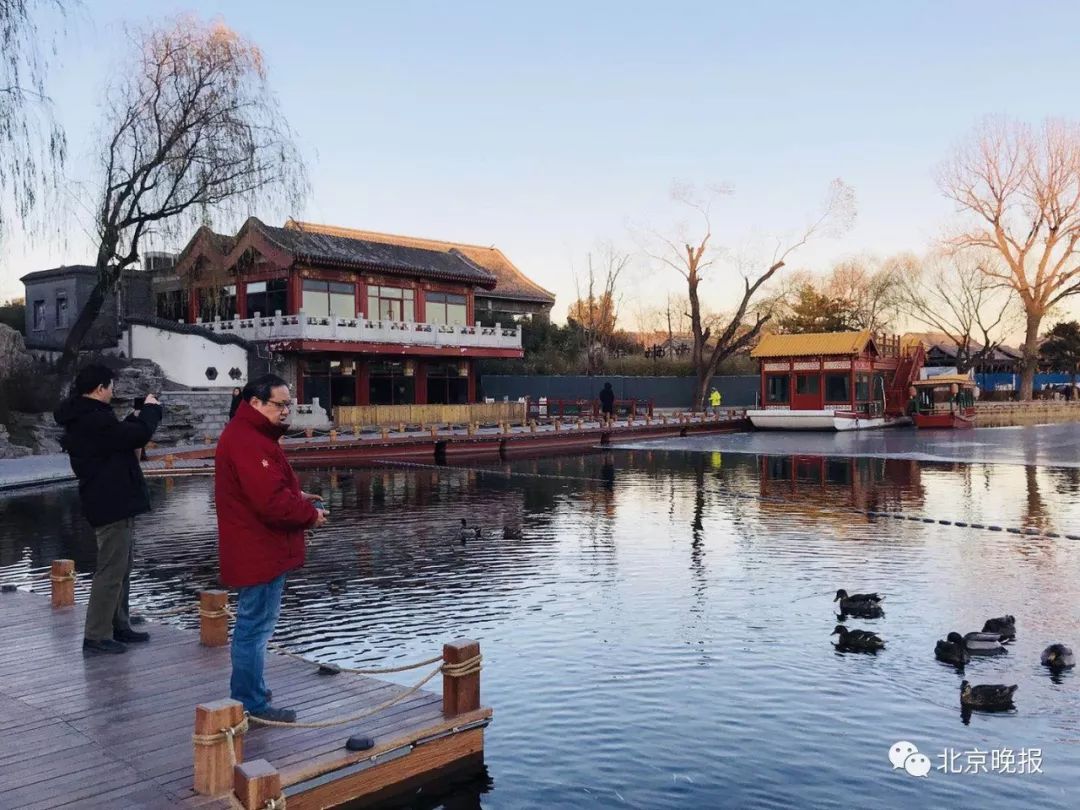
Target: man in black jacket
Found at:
x=104, y=456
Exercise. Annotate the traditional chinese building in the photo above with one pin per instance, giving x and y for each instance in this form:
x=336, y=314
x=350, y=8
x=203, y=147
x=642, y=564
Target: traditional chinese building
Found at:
x=833, y=380
x=345, y=317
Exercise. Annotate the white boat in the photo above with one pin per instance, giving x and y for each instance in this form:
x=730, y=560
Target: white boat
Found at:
x=787, y=419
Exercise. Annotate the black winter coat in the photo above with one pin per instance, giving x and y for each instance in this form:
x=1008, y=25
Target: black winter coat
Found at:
x=104, y=457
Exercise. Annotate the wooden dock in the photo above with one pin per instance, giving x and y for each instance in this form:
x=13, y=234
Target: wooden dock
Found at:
x=109, y=731
x=440, y=443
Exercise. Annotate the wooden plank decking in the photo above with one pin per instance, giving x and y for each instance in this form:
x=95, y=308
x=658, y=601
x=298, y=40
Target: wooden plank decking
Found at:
x=115, y=730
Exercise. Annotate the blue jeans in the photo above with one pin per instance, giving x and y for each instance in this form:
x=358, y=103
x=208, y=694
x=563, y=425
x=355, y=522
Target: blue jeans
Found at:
x=257, y=609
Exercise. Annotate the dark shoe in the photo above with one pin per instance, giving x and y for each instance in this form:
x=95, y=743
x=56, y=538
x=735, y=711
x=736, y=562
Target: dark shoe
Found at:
x=275, y=715
x=105, y=645
x=130, y=636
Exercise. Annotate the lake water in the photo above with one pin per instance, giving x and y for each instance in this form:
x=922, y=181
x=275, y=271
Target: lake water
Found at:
x=655, y=628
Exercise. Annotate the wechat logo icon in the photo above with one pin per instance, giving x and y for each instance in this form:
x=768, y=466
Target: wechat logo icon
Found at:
x=904, y=754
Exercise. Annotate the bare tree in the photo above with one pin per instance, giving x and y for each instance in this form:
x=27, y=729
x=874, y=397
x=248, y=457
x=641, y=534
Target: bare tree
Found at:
x=192, y=127
x=1021, y=187
x=596, y=311
x=867, y=288
x=693, y=259
x=32, y=143
x=954, y=294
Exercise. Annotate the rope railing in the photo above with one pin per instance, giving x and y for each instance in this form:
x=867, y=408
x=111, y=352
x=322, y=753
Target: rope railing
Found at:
x=352, y=670
x=470, y=666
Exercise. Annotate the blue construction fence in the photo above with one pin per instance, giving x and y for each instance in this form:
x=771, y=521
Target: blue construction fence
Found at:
x=738, y=391
x=1004, y=381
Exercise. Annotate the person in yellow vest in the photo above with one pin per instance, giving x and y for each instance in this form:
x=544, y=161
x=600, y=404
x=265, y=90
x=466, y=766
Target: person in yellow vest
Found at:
x=714, y=401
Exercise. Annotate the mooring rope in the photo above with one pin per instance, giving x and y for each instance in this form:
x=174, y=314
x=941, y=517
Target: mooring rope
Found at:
x=353, y=670
x=228, y=734
x=70, y=577
x=468, y=667
x=276, y=803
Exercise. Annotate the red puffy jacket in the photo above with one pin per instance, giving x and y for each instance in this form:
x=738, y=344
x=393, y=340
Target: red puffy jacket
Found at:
x=261, y=512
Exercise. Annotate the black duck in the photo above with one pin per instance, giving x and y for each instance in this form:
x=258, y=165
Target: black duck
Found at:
x=1005, y=626
x=991, y=696
x=865, y=605
x=952, y=650
x=1058, y=657
x=857, y=639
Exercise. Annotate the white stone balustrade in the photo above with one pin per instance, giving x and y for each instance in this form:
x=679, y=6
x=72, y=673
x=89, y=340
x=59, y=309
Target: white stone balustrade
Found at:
x=361, y=330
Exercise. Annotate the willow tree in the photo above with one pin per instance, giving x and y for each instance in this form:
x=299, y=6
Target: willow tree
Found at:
x=1020, y=187
x=192, y=129
x=716, y=339
x=32, y=143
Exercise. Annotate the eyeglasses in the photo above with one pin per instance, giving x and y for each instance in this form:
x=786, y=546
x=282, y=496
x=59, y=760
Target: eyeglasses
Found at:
x=281, y=406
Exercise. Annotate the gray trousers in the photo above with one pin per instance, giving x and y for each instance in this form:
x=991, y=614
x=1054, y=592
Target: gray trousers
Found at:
x=108, y=608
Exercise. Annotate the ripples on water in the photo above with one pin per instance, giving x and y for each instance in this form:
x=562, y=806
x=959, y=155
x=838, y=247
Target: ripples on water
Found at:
x=651, y=640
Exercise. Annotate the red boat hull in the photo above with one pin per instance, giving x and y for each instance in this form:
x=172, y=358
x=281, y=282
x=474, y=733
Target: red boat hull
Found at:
x=951, y=421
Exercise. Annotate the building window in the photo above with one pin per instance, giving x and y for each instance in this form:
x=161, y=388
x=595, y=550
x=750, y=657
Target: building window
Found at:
x=325, y=298
x=444, y=308
x=391, y=304
x=268, y=297
x=217, y=302
x=392, y=383
x=39, y=315
x=837, y=388
x=330, y=380
x=776, y=388
x=172, y=305
x=61, y=311
x=448, y=383
x=862, y=387
x=807, y=384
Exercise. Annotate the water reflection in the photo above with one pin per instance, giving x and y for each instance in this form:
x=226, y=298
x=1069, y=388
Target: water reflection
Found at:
x=655, y=623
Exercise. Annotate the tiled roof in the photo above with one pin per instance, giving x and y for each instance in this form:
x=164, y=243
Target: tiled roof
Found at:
x=60, y=272
x=350, y=251
x=510, y=282
x=945, y=379
x=820, y=343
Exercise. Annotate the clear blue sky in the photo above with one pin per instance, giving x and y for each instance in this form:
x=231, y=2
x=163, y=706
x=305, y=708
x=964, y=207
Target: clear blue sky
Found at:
x=545, y=129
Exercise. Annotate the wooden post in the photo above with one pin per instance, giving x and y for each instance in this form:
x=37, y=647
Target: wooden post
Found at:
x=434, y=432
x=663, y=418
x=214, y=761
x=213, y=621
x=255, y=783
x=333, y=435
x=461, y=693
x=648, y=419
x=170, y=459
x=471, y=429
x=401, y=427
x=558, y=425
x=208, y=439
x=532, y=426
x=62, y=576
x=579, y=423
x=385, y=433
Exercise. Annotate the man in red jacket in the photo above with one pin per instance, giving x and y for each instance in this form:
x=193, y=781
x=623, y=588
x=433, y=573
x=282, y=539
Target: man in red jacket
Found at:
x=262, y=514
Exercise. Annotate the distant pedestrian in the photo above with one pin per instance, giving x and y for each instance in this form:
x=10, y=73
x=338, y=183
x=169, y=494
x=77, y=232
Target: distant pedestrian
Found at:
x=104, y=455
x=607, y=402
x=714, y=401
x=261, y=515
x=236, y=400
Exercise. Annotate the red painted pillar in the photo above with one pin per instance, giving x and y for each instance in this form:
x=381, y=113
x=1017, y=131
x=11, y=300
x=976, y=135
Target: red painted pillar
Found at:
x=241, y=298
x=361, y=298
x=472, y=379
x=363, y=382
x=421, y=304
x=296, y=296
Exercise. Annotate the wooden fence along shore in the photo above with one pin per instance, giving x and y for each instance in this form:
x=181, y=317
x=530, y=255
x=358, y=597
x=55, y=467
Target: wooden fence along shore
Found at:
x=1038, y=412
x=149, y=728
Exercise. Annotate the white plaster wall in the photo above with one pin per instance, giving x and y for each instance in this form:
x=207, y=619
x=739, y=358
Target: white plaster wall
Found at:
x=185, y=358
